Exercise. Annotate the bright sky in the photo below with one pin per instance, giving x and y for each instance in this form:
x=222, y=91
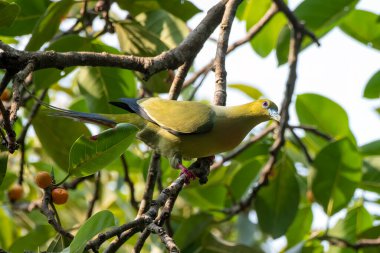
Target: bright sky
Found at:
x=339, y=70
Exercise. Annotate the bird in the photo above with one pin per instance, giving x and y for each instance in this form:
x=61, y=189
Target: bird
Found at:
x=184, y=129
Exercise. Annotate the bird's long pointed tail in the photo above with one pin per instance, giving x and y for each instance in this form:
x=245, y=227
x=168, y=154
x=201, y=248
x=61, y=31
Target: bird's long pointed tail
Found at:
x=84, y=117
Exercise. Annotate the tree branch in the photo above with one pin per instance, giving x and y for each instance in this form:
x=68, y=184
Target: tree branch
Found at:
x=220, y=94
x=11, y=59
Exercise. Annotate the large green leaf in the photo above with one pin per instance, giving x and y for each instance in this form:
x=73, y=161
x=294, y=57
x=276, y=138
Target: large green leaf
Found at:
x=300, y=228
x=265, y=41
x=214, y=199
x=48, y=24
x=33, y=240
x=90, y=228
x=277, y=204
x=243, y=176
x=316, y=110
x=372, y=88
x=363, y=26
x=3, y=165
x=8, y=13
x=170, y=29
x=336, y=175
x=182, y=9
x=26, y=19
x=330, y=14
x=370, y=149
x=250, y=91
x=357, y=220
x=214, y=244
x=137, y=40
x=7, y=231
x=99, y=85
x=57, y=135
x=191, y=229
x=89, y=155
x=371, y=174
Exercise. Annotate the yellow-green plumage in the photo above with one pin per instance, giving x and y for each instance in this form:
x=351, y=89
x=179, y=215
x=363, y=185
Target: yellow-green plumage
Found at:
x=183, y=129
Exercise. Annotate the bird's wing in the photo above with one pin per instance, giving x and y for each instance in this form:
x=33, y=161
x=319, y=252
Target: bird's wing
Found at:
x=178, y=117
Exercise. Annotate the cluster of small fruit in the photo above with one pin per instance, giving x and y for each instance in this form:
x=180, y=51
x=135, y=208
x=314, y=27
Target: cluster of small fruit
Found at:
x=43, y=180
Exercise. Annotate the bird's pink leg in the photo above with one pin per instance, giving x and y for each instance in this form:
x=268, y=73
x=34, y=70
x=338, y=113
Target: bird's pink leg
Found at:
x=189, y=175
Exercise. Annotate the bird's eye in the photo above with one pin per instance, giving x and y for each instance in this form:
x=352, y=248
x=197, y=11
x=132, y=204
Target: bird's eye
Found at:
x=265, y=104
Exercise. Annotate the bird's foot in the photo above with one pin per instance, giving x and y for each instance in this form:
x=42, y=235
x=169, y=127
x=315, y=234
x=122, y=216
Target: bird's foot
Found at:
x=189, y=175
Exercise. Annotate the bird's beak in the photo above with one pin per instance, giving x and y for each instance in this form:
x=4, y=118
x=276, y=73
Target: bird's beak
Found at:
x=274, y=114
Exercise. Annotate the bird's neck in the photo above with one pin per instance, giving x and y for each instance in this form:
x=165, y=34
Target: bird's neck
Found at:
x=245, y=113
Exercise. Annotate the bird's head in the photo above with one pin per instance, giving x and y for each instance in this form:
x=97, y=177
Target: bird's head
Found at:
x=266, y=108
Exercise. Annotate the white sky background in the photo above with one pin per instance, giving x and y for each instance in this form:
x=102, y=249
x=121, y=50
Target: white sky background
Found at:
x=339, y=70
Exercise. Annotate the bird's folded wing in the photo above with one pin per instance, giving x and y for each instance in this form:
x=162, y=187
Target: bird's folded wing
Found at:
x=179, y=117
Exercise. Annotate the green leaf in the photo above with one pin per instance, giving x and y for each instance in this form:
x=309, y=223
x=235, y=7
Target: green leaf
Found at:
x=48, y=24
x=8, y=227
x=357, y=220
x=191, y=229
x=8, y=13
x=214, y=244
x=265, y=41
x=182, y=9
x=330, y=14
x=89, y=155
x=3, y=165
x=94, y=225
x=364, y=27
x=301, y=226
x=371, y=174
x=310, y=246
x=99, y=85
x=58, y=244
x=137, y=40
x=336, y=175
x=250, y=91
x=277, y=204
x=26, y=19
x=214, y=199
x=316, y=110
x=170, y=29
x=33, y=239
x=244, y=175
x=372, y=88
x=57, y=135
x=370, y=149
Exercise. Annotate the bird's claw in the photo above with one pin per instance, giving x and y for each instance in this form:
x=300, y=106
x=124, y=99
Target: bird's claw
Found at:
x=189, y=175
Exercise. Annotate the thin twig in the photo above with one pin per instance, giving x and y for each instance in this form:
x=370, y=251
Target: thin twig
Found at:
x=22, y=136
x=296, y=24
x=343, y=243
x=128, y=180
x=302, y=145
x=50, y=214
x=176, y=87
x=74, y=184
x=150, y=183
x=249, y=36
x=95, y=197
x=313, y=130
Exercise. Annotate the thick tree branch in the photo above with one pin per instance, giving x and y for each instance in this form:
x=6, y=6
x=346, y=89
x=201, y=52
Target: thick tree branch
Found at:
x=220, y=94
x=12, y=59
